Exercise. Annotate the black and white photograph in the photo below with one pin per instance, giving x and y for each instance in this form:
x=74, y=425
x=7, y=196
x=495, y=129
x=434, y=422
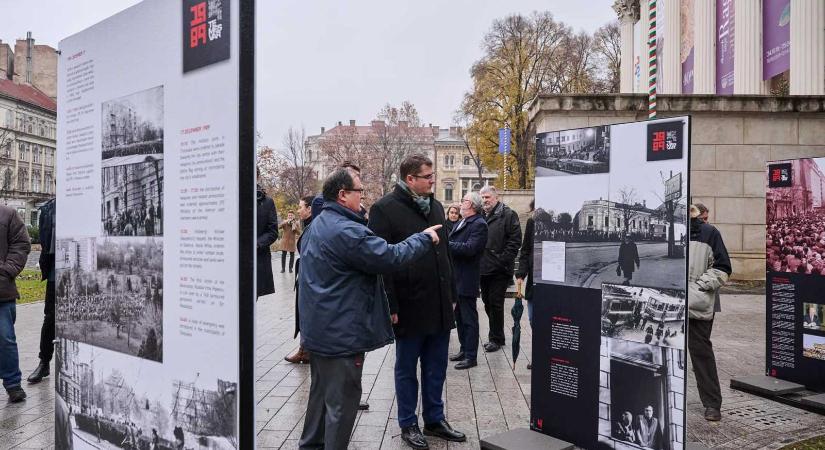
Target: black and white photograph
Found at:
x=107, y=400
x=573, y=152
x=812, y=314
x=109, y=293
x=641, y=396
x=133, y=197
x=132, y=125
x=642, y=314
x=795, y=217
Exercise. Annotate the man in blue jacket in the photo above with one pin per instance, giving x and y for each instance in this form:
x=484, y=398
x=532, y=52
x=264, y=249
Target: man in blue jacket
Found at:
x=343, y=308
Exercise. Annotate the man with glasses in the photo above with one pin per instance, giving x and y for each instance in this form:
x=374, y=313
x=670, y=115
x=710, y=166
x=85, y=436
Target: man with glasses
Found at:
x=343, y=308
x=421, y=299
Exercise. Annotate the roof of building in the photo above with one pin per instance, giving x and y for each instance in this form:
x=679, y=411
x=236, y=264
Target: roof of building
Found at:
x=27, y=94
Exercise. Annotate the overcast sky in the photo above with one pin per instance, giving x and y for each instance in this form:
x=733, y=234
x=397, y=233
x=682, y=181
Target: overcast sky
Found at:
x=320, y=62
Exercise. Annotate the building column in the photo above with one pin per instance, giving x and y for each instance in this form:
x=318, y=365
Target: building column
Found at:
x=628, y=13
x=704, y=50
x=807, y=44
x=747, y=64
x=670, y=66
x=644, y=60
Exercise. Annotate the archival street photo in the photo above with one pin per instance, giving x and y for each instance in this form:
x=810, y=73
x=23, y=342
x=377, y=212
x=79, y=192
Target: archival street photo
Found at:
x=573, y=152
x=640, y=385
x=642, y=314
x=795, y=216
x=132, y=126
x=107, y=400
x=133, y=197
x=109, y=293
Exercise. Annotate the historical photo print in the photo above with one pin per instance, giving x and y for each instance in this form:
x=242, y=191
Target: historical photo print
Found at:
x=643, y=314
x=132, y=125
x=795, y=217
x=108, y=400
x=133, y=198
x=812, y=314
x=109, y=293
x=641, y=390
x=813, y=346
x=573, y=152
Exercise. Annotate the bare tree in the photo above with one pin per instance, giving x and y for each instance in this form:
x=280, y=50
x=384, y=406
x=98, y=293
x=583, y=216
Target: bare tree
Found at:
x=395, y=135
x=607, y=49
x=296, y=177
x=628, y=206
x=461, y=121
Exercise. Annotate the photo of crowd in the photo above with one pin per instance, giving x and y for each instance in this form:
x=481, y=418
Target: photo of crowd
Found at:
x=573, y=152
x=132, y=125
x=813, y=346
x=133, y=198
x=642, y=314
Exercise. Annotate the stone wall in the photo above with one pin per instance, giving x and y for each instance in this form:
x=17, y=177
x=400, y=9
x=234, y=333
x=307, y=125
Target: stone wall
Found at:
x=732, y=139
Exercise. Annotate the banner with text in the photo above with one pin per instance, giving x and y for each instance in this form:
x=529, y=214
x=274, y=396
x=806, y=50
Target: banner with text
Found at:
x=725, y=46
x=152, y=175
x=776, y=37
x=610, y=285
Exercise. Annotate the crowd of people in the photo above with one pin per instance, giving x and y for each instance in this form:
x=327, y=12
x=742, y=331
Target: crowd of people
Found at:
x=796, y=244
x=115, y=309
x=139, y=221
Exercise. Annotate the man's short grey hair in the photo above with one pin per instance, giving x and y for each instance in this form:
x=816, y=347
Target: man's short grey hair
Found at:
x=489, y=189
x=702, y=208
x=475, y=199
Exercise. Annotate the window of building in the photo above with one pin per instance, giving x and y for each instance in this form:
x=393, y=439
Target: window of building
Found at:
x=35, y=153
x=36, y=182
x=22, y=154
x=466, y=160
x=7, y=176
x=23, y=179
x=9, y=119
x=34, y=218
x=606, y=222
x=448, y=192
x=589, y=221
x=48, y=187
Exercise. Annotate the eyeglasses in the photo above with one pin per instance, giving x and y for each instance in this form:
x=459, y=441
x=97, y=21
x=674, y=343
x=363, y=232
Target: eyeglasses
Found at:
x=426, y=177
x=360, y=191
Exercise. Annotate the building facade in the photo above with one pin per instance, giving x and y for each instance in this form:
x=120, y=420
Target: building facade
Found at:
x=455, y=167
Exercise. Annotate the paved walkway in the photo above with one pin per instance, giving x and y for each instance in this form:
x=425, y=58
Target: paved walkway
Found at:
x=483, y=401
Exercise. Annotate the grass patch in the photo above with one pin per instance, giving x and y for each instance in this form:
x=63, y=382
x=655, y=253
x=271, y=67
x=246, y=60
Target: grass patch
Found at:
x=817, y=443
x=30, y=287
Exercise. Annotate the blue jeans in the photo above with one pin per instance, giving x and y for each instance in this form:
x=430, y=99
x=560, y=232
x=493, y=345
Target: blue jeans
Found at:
x=432, y=350
x=530, y=312
x=9, y=362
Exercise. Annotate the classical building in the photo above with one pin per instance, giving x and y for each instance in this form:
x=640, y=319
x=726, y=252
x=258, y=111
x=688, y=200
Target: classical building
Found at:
x=455, y=167
x=726, y=47
x=28, y=133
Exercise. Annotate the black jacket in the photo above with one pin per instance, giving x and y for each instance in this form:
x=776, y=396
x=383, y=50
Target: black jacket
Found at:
x=267, y=234
x=421, y=293
x=14, y=250
x=46, y=236
x=525, y=258
x=503, y=241
x=467, y=246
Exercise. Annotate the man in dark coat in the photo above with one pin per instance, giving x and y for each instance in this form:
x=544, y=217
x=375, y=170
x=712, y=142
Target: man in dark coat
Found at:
x=503, y=242
x=267, y=234
x=467, y=242
x=47, y=263
x=628, y=259
x=421, y=302
x=343, y=306
x=14, y=250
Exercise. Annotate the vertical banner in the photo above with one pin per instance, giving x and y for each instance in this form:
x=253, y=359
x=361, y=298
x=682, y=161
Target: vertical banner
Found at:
x=776, y=37
x=610, y=285
x=725, y=46
x=154, y=246
x=686, y=16
x=795, y=259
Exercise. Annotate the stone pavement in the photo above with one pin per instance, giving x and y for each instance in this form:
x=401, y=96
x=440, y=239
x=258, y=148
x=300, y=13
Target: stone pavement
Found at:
x=485, y=400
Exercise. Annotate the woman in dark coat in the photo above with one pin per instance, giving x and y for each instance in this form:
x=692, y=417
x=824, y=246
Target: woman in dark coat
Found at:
x=628, y=259
x=267, y=234
x=453, y=216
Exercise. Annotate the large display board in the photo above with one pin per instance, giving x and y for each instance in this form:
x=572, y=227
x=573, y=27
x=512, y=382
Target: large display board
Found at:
x=795, y=246
x=155, y=229
x=609, y=300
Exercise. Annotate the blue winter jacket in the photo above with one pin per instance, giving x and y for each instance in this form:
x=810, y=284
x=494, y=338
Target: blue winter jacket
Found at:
x=342, y=305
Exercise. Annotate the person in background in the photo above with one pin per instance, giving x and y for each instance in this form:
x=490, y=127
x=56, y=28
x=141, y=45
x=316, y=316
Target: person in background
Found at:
x=291, y=228
x=14, y=249
x=453, y=216
x=623, y=429
x=811, y=319
x=525, y=264
x=628, y=260
x=343, y=309
x=497, y=264
x=467, y=242
x=305, y=214
x=648, y=430
x=704, y=212
x=47, y=262
x=708, y=270
x=267, y=234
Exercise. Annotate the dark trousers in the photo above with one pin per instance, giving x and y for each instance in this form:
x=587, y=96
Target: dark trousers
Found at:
x=704, y=362
x=47, y=332
x=466, y=320
x=283, y=260
x=432, y=350
x=334, y=393
x=493, y=288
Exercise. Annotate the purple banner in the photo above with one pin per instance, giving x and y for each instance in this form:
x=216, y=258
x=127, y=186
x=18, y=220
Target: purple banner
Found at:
x=724, y=46
x=686, y=48
x=776, y=37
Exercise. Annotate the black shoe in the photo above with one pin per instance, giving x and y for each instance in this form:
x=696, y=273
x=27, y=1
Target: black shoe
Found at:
x=42, y=371
x=491, y=347
x=466, y=364
x=457, y=357
x=16, y=394
x=713, y=414
x=529, y=366
x=444, y=431
x=363, y=406
x=282, y=271
x=413, y=437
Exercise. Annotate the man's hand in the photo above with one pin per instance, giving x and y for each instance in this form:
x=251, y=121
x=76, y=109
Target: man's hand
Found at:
x=432, y=232
x=394, y=318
